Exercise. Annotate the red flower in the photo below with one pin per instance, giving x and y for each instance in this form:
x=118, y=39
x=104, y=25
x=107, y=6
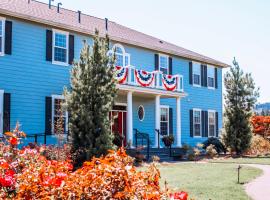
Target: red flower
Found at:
x=13, y=141
x=4, y=165
x=179, y=196
x=7, y=181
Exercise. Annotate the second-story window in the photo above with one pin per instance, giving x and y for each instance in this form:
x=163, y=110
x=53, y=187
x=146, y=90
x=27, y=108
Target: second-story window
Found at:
x=211, y=77
x=196, y=74
x=122, y=58
x=2, y=30
x=60, y=47
x=164, y=63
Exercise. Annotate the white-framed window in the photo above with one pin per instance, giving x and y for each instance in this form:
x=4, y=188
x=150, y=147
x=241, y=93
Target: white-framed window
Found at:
x=2, y=36
x=211, y=123
x=211, y=77
x=164, y=120
x=196, y=74
x=1, y=111
x=197, y=124
x=59, y=115
x=164, y=63
x=121, y=57
x=60, y=47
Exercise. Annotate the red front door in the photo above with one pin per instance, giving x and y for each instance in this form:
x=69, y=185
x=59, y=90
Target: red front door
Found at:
x=118, y=123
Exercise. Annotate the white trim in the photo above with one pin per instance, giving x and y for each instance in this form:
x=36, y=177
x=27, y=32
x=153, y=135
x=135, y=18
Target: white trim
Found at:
x=168, y=121
x=124, y=54
x=163, y=55
x=194, y=110
x=1, y=111
x=66, y=113
x=67, y=47
x=143, y=112
x=120, y=104
x=2, y=53
x=212, y=111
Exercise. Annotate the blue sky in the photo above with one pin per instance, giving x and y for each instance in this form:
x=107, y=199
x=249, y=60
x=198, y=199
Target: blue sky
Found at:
x=220, y=29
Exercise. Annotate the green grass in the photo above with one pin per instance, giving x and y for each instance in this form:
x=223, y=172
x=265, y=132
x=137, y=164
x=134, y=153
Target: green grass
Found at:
x=208, y=181
x=257, y=160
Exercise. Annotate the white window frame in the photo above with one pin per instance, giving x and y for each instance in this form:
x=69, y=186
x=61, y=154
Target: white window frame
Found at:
x=193, y=73
x=3, y=20
x=168, y=121
x=67, y=47
x=212, y=111
x=197, y=110
x=167, y=58
x=66, y=113
x=212, y=68
x=1, y=111
x=124, y=54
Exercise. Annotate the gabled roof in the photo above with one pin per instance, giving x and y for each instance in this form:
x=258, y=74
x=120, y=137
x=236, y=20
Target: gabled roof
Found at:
x=39, y=12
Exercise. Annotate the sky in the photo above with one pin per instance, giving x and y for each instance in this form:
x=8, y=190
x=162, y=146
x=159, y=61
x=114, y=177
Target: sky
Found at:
x=220, y=29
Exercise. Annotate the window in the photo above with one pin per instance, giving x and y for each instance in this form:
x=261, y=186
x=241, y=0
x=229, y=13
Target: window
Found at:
x=197, y=122
x=164, y=63
x=211, y=123
x=164, y=120
x=211, y=77
x=1, y=111
x=59, y=116
x=2, y=35
x=196, y=74
x=141, y=113
x=122, y=58
x=60, y=47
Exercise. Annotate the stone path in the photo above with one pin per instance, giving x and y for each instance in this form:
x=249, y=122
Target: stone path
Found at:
x=259, y=189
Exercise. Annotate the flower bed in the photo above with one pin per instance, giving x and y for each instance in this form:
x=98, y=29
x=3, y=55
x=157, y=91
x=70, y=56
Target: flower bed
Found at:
x=28, y=174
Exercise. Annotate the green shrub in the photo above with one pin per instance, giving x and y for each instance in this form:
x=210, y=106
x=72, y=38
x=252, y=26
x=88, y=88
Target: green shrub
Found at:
x=219, y=147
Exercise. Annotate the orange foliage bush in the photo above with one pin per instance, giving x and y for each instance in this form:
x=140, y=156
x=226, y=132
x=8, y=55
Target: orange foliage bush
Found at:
x=259, y=146
x=261, y=125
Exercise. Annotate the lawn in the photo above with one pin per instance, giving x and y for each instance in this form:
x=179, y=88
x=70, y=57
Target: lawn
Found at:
x=208, y=180
x=257, y=160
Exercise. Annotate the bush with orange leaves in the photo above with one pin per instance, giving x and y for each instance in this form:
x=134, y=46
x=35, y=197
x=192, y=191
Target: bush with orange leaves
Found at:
x=261, y=125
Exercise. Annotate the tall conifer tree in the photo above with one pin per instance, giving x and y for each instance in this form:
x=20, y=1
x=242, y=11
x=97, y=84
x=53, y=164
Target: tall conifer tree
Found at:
x=90, y=99
x=240, y=98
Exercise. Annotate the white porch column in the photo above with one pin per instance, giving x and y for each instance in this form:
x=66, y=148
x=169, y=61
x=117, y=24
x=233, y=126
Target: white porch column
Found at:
x=178, y=122
x=129, y=119
x=157, y=112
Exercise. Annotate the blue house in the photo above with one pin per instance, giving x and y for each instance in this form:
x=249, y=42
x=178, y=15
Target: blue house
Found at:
x=163, y=89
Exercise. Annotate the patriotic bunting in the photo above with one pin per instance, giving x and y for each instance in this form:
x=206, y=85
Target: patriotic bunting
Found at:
x=169, y=82
x=144, y=78
x=121, y=74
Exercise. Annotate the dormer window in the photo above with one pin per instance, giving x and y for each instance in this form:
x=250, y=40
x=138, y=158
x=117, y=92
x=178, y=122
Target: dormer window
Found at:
x=2, y=35
x=60, y=47
x=164, y=63
x=122, y=58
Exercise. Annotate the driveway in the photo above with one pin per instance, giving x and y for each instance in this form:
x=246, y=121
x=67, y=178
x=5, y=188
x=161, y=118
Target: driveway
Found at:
x=259, y=189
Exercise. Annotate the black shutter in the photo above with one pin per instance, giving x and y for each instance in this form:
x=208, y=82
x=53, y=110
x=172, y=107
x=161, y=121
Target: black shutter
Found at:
x=49, y=36
x=190, y=73
x=171, y=121
x=170, y=65
x=216, y=78
x=156, y=62
x=205, y=76
x=48, y=115
x=6, y=117
x=202, y=75
x=203, y=123
x=8, y=37
x=71, y=49
x=206, y=123
x=191, y=122
x=217, y=133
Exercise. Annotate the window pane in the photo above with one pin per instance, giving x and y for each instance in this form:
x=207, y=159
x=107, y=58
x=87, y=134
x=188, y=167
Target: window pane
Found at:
x=196, y=68
x=210, y=82
x=163, y=114
x=0, y=44
x=119, y=60
x=60, y=54
x=211, y=117
x=163, y=62
x=165, y=71
x=59, y=125
x=197, y=129
x=211, y=130
x=126, y=60
x=58, y=107
x=60, y=40
x=196, y=79
x=118, y=50
x=210, y=71
x=197, y=117
x=164, y=128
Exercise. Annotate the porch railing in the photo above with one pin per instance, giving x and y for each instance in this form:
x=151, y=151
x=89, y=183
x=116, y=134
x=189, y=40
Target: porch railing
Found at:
x=142, y=139
x=158, y=80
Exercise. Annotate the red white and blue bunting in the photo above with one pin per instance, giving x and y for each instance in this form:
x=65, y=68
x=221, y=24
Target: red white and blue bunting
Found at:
x=169, y=82
x=121, y=74
x=144, y=78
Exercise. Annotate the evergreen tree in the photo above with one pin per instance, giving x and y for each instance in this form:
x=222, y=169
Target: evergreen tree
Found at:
x=90, y=99
x=240, y=98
